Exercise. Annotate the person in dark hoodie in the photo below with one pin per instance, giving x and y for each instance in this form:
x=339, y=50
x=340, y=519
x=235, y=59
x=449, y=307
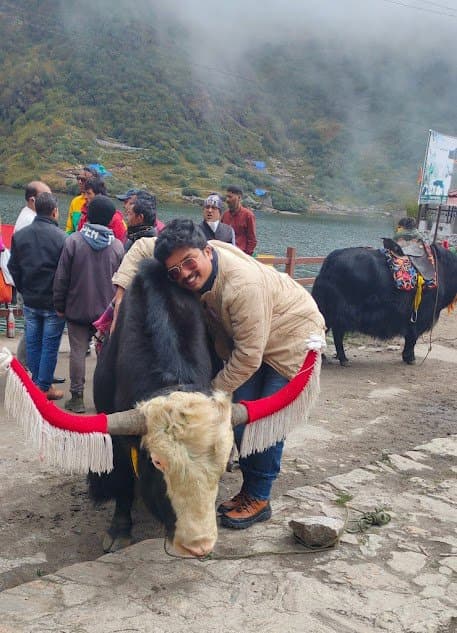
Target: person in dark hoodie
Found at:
x=35, y=253
x=83, y=288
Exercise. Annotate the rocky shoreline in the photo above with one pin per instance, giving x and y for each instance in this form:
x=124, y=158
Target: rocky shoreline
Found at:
x=319, y=207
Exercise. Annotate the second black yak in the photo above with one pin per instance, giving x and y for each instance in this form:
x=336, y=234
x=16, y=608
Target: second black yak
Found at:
x=355, y=292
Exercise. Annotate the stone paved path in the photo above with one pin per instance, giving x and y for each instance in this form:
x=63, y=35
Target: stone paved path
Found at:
x=400, y=578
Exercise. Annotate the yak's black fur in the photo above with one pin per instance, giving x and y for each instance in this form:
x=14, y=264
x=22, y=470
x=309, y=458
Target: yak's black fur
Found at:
x=355, y=292
x=159, y=341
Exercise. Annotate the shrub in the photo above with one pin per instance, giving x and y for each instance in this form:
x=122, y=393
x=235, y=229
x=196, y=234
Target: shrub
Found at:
x=193, y=156
x=286, y=202
x=190, y=191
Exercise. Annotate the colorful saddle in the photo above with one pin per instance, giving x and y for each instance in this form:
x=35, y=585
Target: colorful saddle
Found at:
x=407, y=269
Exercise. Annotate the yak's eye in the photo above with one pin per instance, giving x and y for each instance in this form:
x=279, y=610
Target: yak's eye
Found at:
x=157, y=463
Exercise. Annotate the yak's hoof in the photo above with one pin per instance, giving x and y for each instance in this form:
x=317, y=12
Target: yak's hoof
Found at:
x=114, y=544
x=409, y=361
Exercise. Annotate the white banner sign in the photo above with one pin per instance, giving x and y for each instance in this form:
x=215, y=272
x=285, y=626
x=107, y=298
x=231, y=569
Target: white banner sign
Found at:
x=438, y=171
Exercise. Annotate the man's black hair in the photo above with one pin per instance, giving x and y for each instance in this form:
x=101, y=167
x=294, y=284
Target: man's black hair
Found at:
x=235, y=189
x=101, y=210
x=30, y=191
x=145, y=195
x=45, y=203
x=145, y=207
x=97, y=185
x=179, y=233
x=91, y=170
x=407, y=223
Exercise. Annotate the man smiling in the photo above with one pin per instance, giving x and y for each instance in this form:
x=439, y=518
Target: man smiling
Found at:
x=260, y=321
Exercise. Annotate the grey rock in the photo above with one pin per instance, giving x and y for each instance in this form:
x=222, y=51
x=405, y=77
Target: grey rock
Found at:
x=318, y=531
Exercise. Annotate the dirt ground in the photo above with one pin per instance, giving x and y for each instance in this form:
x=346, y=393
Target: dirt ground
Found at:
x=376, y=406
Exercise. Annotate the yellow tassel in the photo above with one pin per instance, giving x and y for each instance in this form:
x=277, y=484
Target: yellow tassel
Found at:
x=418, y=296
x=134, y=458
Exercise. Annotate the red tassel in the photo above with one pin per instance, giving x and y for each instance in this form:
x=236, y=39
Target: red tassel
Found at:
x=55, y=416
x=264, y=407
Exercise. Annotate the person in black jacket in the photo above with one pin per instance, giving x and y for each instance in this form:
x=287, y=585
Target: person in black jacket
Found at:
x=212, y=226
x=35, y=253
x=141, y=216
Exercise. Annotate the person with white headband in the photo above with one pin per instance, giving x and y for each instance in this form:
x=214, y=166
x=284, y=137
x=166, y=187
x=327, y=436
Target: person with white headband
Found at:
x=212, y=226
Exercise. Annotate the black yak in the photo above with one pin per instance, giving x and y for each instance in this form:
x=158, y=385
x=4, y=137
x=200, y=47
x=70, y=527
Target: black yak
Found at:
x=160, y=345
x=355, y=292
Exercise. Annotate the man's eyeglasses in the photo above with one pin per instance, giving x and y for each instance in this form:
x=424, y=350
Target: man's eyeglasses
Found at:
x=188, y=264
x=81, y=179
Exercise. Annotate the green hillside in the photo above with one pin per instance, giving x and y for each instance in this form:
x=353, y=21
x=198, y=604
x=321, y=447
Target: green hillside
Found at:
x=328, y=124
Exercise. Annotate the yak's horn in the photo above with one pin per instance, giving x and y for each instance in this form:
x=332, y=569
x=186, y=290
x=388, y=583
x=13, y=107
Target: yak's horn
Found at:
x=130, y=422
x=239, y=414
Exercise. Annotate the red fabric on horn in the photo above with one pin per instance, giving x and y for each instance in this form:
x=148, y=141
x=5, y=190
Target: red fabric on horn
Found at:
x=264, y=407
x=55, y=416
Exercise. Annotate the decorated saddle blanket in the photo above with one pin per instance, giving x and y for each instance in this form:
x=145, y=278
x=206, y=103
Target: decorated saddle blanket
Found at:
x=406, y=269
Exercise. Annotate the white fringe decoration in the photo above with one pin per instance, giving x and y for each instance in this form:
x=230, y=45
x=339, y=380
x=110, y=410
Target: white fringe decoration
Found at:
x=266, y=432
x=74, y=452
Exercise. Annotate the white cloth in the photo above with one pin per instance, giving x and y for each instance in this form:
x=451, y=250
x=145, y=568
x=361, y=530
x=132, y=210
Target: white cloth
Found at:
x=316, y=342
x=25, y=217
x=4, y=259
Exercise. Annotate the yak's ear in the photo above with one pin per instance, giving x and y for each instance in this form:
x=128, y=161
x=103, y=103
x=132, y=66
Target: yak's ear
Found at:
x=159, y=462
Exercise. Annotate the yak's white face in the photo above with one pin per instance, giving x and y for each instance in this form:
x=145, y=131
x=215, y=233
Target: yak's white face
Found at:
x=189, y=438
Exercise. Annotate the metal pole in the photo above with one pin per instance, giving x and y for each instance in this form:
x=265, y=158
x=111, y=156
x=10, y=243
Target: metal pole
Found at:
x=424, y=166
x=438, y=216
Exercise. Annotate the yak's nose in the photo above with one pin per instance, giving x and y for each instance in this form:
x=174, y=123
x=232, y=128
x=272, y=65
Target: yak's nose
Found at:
x=199, y=549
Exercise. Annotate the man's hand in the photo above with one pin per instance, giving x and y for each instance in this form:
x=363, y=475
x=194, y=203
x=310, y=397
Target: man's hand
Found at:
x=117, y=302
x=61, y=315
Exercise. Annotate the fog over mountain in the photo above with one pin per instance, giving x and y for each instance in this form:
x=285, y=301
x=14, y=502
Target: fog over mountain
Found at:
x=409, y=27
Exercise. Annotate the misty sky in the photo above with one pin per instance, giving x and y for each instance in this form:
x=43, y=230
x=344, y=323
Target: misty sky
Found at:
x=226, y=21
x=230, y=23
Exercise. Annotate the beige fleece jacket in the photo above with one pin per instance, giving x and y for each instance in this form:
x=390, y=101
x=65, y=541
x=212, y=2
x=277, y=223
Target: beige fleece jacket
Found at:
x=141, y=249
x=255, y=313
x=261, y=314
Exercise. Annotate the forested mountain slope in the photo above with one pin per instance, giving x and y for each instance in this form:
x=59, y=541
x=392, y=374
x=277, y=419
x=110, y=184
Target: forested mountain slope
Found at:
x=329, y=120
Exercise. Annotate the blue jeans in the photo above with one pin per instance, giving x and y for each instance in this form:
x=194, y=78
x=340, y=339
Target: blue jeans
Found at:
x=259, y=469
x=42, y=339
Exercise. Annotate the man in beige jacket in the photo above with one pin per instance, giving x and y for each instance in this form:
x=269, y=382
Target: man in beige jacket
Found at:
x=260, y=321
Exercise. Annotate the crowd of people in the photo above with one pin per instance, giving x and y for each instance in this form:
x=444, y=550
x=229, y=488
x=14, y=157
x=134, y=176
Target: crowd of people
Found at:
x=260, y=320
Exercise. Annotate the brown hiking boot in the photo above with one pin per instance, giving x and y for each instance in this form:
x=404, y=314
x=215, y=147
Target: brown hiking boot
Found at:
x=248, y=512
x=76, y=403
x=53, y=394
x=232, y=503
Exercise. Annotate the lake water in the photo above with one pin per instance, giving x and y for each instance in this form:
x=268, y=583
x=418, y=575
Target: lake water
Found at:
x=311, y=235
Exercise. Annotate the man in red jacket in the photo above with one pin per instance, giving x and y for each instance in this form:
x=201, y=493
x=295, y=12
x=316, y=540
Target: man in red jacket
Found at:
x=241, y=219
x=94, y=187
